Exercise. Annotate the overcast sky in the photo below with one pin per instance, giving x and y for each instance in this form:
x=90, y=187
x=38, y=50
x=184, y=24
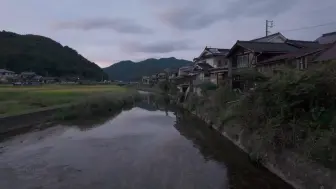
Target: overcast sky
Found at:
x=107, y=31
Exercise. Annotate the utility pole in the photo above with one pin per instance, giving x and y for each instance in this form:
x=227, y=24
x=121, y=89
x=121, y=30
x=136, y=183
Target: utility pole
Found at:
x=269, y=24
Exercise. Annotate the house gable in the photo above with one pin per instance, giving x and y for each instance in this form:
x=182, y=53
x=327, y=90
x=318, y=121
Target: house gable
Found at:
x=274, y=38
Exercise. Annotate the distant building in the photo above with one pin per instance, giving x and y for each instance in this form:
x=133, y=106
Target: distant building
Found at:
x=6, y=76
x=28, y=74
x=6, y=73
x=146, y=80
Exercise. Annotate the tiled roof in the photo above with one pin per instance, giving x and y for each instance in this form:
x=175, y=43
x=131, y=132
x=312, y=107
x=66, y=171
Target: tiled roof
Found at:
x=327, y=38
x=28, y=73
x=217, y=51
x=267, y=46
x=187, y=68
x=269, y=36
x=304, y=44
x=5, y=71
x=297, y=54
x=204, y=66
x=328, y=54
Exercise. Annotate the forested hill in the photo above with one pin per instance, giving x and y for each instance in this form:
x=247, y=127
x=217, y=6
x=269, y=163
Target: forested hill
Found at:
x=133, y=71
x=44, y=56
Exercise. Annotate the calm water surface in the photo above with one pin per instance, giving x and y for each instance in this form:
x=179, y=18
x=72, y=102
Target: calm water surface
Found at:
x=141, y=148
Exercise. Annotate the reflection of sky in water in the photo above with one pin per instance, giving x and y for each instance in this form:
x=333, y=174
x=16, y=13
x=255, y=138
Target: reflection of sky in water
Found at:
x=136, y=149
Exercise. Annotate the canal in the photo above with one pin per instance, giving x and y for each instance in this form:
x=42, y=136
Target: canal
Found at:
x=139, y=148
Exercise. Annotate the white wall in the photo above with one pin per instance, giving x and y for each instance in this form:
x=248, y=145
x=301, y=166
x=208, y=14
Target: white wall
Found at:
x=214, y=60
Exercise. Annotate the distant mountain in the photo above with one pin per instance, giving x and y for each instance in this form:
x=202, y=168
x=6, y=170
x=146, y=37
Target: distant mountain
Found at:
x=44, y=56
x=133, y=71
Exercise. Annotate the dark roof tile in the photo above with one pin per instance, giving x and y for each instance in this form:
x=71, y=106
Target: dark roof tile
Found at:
x=267, y=46
x=327, y=38
x=204, y=66
x=303, y=44
x=328, y=54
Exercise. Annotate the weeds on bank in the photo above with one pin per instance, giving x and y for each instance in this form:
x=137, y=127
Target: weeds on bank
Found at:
x=98, y=105
x=292, y=110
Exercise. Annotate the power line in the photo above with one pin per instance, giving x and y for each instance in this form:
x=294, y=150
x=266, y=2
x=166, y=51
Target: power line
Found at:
x=308, y=27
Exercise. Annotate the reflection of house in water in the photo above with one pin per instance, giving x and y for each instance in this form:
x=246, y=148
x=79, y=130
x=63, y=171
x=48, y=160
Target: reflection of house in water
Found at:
x=214, y=147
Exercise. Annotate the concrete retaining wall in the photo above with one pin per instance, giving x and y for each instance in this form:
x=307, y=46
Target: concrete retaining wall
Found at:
x=289, y=166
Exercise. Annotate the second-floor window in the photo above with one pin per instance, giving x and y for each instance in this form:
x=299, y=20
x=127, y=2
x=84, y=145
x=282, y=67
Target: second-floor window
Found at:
x=242, y=61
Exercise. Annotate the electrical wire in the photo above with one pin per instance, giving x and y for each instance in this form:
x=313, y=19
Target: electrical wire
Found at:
x=308, y=27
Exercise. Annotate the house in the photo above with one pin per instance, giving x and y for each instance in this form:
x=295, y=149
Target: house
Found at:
x=49, y=80
x=161, y=76
x=215, y=57
x=173, y=74
x=327, y=38
x=146, y=80
x=247, y=54
x=6, y=76
x=212, y=64
x=185, y=70
x=300, y=59
x=27, y=75
x=6, y=73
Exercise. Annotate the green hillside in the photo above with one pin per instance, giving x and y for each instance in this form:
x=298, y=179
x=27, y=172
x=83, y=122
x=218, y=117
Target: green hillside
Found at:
x=133, y=71
x=44, y=56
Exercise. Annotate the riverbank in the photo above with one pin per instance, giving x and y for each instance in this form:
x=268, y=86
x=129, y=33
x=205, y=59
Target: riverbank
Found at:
x=21, y=99
x=77, y=102
x=286, y=123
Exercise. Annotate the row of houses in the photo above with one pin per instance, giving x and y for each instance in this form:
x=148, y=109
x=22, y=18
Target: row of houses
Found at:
x=7, y=76
x=266, y=55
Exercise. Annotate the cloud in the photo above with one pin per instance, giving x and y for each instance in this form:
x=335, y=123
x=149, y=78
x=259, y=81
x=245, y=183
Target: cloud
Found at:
x=117, y=24
x=194, y=15
x=156, y=47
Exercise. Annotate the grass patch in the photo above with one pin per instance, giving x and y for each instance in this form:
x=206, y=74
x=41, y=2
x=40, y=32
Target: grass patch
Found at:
x=18, y=99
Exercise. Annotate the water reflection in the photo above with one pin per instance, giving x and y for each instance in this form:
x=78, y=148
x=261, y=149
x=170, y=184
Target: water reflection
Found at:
x=153, y=145
x=241, y=173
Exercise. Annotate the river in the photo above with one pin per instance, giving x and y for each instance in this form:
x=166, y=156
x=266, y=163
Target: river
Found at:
x=139, y=148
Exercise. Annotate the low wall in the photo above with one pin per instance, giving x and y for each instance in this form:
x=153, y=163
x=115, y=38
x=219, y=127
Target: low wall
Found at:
x=289, y=166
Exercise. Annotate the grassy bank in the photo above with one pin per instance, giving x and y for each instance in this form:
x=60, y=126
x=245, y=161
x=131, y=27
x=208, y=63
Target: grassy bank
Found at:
x=19, y=99
x=290, y=115
x=99, y=105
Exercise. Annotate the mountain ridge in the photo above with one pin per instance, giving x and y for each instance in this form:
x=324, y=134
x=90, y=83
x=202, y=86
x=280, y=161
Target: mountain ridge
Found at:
x=128, y=70
x=44, y=56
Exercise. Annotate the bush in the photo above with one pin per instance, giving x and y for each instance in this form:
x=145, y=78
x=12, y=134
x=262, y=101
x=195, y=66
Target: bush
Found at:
x=293, y=109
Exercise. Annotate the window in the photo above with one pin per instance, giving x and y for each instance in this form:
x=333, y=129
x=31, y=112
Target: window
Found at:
x=302, y=63
x=242, y=61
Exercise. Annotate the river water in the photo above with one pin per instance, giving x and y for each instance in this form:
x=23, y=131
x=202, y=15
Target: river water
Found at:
x=140, y=148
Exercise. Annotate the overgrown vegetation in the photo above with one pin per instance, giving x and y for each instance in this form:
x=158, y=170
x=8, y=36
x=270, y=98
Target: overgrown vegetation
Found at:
x=292, y=110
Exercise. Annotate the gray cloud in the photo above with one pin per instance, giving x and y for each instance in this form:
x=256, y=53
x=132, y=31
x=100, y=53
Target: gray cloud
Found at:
x=156, y=47
x=119, y=25
x=198, y=15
